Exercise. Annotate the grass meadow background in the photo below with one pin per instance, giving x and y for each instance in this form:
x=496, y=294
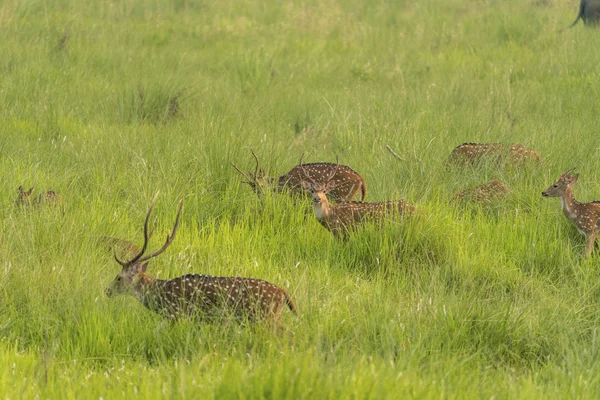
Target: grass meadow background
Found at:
x=108, y=102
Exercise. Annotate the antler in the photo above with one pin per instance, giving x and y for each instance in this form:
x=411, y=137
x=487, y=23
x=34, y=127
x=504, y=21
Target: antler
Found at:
x=170, y=236
x=304, y=172
x=138, y=257
x=240, y=171
x=252, y=178
x=255, y=169
x=337, y=165
x=146, y=238
x=569, y=171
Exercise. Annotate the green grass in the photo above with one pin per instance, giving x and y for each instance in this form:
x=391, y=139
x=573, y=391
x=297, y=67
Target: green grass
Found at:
x=108, y=102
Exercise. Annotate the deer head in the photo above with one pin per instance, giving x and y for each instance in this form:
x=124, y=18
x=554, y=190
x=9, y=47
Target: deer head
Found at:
x=257, y=180
x=24, y=196
x=134, y=270
x=561, y=185
x=318, y=190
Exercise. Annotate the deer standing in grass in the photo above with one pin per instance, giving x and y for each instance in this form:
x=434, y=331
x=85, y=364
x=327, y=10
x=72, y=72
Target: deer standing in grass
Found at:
x=341, y=218
x=348, y=182
x=585, y=216
x=26, y=198
x=195, y=295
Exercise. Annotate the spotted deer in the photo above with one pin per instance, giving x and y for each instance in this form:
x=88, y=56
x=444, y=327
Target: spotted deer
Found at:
x=473, y=153
x=484, y=193
x=193, y=295
x=585, y=216
x=26, y=198
x=348, y=182
x=341, y=218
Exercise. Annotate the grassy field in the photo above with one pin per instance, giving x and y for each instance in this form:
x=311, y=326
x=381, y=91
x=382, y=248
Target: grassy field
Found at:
x=108, y=102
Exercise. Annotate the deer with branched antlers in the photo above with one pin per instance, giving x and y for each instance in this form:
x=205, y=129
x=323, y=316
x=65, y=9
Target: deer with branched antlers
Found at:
x=344, y=217
x=585, y=216
x=193, y=295
x=348, y=181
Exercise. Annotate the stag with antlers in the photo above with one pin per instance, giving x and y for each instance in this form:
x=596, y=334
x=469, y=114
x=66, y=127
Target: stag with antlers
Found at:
x=348, y=181
x=195, y=295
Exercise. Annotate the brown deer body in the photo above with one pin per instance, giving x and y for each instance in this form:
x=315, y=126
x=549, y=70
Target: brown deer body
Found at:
x=348, y=182
x=484, y=193
x=585, y=216
x=199, y=296
x=473, y=153
x=26, y=198
x=341, y=218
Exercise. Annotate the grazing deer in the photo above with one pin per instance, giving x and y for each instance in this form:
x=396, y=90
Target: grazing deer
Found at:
x=25, y=198
x=341, y=218
x=197, y=295
x=473, y=153
x=585, y=216
x=348, y=182
x=484, y=193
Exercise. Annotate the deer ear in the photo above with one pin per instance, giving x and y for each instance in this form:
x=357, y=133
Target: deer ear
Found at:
x=330, y=185
x=574, y=178
x=20, y=189
x=140, y=268
x=30, y=190
x=306, y=185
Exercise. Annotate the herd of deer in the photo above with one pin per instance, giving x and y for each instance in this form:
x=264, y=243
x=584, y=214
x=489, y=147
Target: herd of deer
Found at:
x=208, y=296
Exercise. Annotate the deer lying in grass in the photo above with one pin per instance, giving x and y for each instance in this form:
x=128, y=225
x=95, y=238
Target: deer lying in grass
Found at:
x=585, y=216
x=194, y=295
x=122, y=247
x=348, y=182
x=344, y=217
x=26, y=198
x=484, y=193
x=473, y=153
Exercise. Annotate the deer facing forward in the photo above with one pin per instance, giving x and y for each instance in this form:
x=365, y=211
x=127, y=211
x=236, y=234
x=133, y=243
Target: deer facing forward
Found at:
x=344, y=217
x=195, y=295
x=585, y=216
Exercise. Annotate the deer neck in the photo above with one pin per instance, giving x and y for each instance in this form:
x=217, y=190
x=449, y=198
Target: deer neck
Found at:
x=145, y=288
x=569, y=204
x=323, y=210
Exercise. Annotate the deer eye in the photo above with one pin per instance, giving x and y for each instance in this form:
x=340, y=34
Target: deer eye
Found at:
x=555, y=185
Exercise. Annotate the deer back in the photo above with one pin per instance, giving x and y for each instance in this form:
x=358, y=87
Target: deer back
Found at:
x=347, y=181
x=486, y=192
x=472, y=153
x=346, y=216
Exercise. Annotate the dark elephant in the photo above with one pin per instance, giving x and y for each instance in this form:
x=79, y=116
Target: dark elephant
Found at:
x=589, y=12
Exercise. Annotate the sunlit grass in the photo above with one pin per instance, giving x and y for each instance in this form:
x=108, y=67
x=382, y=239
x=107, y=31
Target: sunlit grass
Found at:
x=107, y=103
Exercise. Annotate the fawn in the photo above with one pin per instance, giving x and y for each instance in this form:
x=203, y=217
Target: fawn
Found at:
x=472, y=153
x=585, y=216
x=484, y=193
x=348, y=182
x=25, y=198
x=197, y=295
x=341, y=218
